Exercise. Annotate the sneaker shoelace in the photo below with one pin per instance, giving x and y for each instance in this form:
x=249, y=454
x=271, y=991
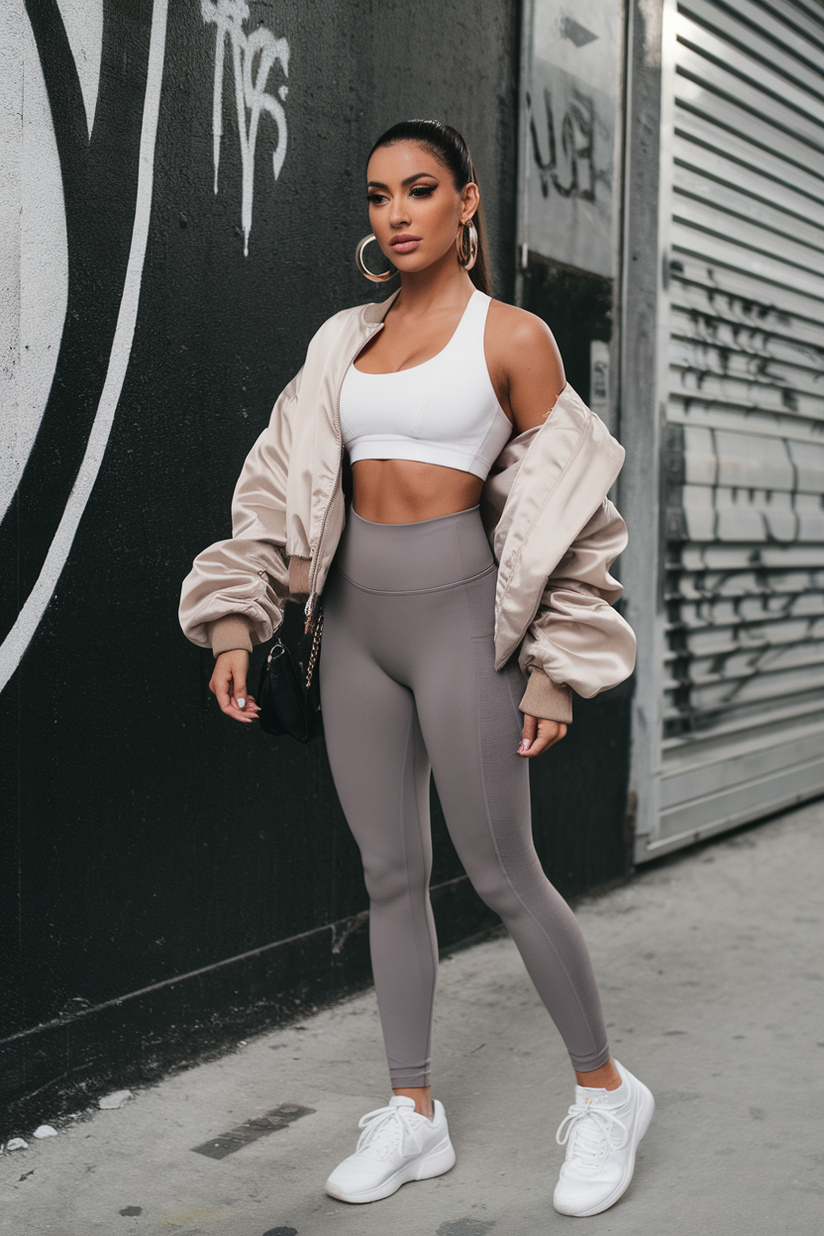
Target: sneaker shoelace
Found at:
x=589, y=1131
x=386, y=1128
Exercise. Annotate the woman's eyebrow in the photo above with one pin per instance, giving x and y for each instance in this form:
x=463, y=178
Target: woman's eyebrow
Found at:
x=378, y=184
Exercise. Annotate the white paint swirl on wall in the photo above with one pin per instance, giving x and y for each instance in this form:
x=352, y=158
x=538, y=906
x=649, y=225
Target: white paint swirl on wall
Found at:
x=83, y=23
x=34, y=608
x=34, y=268
x=34, y=271
x=250, y=92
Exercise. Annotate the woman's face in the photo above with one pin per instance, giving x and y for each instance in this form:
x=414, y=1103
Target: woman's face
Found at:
x=414, y=208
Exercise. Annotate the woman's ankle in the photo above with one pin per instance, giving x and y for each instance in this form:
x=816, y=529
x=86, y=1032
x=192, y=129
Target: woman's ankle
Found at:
x=421, y=1096
x=606, y=1077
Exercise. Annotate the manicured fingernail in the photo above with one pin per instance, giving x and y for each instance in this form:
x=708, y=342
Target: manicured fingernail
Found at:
x=524, y=746
x=241, y=703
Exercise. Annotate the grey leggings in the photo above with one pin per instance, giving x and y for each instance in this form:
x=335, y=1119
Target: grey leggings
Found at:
x=407, y=679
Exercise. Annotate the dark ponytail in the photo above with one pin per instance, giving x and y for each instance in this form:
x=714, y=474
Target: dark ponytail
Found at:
x=450, y=149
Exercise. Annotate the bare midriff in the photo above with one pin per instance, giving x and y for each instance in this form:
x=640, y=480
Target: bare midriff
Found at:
x=403, y=491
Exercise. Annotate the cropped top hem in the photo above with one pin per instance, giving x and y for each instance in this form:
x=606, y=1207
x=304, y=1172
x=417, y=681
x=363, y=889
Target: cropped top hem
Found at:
x=392, y=446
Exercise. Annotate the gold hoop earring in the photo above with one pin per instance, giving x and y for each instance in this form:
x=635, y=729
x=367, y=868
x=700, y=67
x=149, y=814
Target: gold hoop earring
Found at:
x=468, y=245
x=362, y=267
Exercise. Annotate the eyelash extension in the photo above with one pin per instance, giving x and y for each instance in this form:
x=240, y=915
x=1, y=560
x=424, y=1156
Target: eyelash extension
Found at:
x=416, y=191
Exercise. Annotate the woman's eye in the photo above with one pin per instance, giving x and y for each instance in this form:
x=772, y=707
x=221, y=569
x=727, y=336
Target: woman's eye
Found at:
x=375, y=199
x=422, y=191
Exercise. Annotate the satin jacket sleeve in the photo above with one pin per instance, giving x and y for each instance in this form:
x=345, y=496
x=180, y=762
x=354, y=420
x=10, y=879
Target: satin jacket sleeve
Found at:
x=555, y=536
x=577, y=640
x=242, y=583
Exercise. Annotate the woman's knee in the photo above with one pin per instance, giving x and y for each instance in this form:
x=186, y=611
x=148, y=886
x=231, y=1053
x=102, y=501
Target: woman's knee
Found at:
x=502, y=884
x=391, y=880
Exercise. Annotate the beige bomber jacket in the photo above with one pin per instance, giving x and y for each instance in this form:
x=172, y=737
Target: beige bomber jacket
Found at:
x=554, y=532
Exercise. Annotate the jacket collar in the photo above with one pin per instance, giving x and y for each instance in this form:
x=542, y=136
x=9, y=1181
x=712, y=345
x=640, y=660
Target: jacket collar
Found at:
x=377, y=310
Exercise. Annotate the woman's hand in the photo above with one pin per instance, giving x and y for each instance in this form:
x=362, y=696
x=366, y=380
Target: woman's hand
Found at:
x=539, y=735
x=228, y=684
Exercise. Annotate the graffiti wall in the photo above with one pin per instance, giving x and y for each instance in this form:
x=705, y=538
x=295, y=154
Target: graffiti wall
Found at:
x=181, y=199
x=573, y=105
x=569, y=205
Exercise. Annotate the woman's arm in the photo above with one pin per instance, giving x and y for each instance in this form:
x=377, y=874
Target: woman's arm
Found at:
x=577, y=637
x=234, y=595
x=528, y=375
x=524, y=364
x=576, y=641
x=239, y=585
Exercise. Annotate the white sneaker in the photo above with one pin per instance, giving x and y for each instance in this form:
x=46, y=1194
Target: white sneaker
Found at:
x=397, y=1144
x=603, y=1129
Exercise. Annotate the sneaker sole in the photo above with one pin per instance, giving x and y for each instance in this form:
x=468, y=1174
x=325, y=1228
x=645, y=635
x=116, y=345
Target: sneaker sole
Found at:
x=646, y=1108
x=438, y=1161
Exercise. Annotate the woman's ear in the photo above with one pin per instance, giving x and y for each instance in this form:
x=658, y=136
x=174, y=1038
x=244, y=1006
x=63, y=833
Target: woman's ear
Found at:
x=470, y=200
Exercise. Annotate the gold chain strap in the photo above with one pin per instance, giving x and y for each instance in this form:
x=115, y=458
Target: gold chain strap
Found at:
x=310, y=669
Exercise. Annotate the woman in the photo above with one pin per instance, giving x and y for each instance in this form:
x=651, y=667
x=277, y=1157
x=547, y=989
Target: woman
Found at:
x=453, y=412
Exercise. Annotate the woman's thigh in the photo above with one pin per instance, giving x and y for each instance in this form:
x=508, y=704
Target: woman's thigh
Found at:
x=376, y=752
x=471, y=725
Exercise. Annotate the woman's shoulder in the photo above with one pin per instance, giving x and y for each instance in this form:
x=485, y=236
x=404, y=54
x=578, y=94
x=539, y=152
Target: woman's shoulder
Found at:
x=518, y=328
x=525, y=362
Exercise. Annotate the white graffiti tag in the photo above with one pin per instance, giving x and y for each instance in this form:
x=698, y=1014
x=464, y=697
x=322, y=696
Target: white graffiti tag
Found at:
x=250, y=91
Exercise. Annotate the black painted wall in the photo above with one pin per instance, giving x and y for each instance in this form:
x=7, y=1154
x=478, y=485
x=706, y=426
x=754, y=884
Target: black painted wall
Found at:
x=171, y=880
x=580, y=800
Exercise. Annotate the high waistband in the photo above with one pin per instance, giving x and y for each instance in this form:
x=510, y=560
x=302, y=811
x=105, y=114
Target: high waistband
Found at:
x=417, y=557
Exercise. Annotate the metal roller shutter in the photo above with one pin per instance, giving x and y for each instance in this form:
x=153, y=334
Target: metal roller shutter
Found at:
x=744, y=574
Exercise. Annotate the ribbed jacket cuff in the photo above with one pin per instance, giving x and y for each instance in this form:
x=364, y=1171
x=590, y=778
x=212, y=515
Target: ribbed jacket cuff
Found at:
x=299, y=569
x=547, y=699
x=229, y=633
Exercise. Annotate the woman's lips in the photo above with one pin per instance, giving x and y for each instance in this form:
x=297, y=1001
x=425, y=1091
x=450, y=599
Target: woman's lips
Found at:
x=405, y=244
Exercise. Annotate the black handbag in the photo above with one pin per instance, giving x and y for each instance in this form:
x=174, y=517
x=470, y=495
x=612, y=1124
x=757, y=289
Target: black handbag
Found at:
x=289, y=693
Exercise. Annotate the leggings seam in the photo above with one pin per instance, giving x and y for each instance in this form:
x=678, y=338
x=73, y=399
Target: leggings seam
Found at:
x=410, y=756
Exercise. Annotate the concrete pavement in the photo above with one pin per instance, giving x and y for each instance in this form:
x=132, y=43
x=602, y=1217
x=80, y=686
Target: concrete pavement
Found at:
x=711, y=968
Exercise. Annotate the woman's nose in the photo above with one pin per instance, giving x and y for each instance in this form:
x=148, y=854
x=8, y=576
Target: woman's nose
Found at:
x=399, y=214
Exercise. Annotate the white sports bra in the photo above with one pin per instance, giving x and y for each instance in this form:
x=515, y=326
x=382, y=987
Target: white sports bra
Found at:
x=444, y=411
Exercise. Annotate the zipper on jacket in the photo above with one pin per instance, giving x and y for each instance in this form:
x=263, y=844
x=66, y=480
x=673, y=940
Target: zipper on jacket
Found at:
x=309, y=608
